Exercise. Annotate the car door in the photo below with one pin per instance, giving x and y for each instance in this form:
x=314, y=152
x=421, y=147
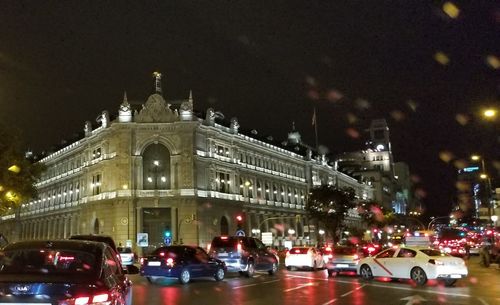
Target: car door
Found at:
x=193, y=262
x=402, y=263
x=263, y=255
x=381, y=262
x=114, y=278
x=209, y=264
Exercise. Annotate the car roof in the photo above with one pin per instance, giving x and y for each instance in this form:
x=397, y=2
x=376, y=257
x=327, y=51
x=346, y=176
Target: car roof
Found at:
x=94, y=237
x=80, y=245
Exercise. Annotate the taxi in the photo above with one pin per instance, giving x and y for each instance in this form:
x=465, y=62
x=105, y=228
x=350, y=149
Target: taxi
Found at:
x=416, y=263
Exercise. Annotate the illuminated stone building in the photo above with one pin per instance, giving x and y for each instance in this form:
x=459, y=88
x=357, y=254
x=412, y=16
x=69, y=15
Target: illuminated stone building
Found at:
x=165, y=167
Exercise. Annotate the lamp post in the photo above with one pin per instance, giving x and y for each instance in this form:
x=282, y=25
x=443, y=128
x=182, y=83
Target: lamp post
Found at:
x=494, y=219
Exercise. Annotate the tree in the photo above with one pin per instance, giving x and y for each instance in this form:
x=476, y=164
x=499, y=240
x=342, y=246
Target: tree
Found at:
x=373, y=215
x=18, y=175
x=329, y=205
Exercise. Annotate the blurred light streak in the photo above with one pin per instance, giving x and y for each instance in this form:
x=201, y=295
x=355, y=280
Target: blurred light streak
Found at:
x=398, y=115
x=412, y=104
x=353, y=133
x=334, y=95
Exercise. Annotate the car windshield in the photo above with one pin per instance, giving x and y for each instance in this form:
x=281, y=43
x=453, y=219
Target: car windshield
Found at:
x=53, y=261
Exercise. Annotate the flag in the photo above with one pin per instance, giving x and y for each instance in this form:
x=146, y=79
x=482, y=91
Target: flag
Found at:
x=314, y=117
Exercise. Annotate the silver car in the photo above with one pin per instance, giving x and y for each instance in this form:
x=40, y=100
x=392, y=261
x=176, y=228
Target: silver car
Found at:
x=343, y=259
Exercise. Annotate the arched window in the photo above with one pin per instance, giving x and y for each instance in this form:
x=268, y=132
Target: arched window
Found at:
x=275, y=193
x=156, y=167
x=259, y=190
x=96, y=226
x=267, y=191
x=224, y=226
x=242, y=187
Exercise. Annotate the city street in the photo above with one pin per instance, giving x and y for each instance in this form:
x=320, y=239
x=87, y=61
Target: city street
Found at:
x=315, y=288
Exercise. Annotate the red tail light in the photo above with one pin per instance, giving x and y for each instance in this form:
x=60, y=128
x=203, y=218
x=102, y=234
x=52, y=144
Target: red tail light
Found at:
x=239, y=247
x=87, y=300
x=170, y=262
x=330, y=255
x=142, y=260
x=162, y=254
x=371, y=249
x=356, y=257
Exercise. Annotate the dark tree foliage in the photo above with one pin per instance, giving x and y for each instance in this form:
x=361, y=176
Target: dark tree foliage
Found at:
x=373, y=215
x=18, y=175
x=329, y=205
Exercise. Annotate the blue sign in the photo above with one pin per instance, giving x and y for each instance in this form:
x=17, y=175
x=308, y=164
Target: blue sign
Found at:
x=471, y=169
x=240, y=233
x=168, y=241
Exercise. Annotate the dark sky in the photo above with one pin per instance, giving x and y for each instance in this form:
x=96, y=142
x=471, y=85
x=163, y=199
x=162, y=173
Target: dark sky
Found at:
x=428, y=74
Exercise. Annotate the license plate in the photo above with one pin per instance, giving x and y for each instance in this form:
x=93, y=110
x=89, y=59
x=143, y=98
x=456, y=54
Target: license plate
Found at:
x=222, y=254
x=342, y=265
x=154, y=263
x=456, y=276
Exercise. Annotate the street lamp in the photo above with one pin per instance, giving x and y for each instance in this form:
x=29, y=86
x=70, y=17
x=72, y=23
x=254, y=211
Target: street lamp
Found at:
x=494, y=219
x=291, y=231
x=256, y=232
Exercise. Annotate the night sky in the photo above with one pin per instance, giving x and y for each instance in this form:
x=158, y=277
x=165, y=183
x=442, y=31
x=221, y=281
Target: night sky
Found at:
x=428, y=73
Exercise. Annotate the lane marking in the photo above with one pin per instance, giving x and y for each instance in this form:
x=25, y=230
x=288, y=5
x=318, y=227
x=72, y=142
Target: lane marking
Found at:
x=300, y=286
x=421, y=290
x=482, y=301
x=321, y=279
x=329, y=302
x=382, y=266
x=255, y=284
x=348, y=293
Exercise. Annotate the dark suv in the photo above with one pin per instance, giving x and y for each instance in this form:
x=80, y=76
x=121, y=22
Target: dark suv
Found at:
x=243, y=254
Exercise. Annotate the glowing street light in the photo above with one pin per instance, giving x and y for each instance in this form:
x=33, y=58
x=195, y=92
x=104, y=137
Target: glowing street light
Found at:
x=490, y=113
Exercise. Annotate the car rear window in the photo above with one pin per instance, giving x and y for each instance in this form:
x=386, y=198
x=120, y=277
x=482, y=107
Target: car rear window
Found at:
x=49, y=262
x=344, y=250
x=229, y=242
x=299, y=250
x=170, y=251
x=433, y=252
x=124, y=250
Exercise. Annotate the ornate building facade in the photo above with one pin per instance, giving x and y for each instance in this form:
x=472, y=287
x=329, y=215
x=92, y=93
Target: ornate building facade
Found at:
x=161, y=169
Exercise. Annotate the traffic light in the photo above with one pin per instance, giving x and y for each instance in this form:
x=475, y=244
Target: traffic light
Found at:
x=239, y=221
x=167, y=236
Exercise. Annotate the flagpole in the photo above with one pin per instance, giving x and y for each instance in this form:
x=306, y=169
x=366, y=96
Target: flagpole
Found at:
x=315, y=123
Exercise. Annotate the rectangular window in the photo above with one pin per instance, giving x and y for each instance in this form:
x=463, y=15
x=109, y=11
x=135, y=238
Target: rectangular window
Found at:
x=96, y=184
x=223, y=182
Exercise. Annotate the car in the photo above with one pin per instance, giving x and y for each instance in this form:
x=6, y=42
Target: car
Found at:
x=244, y=255
x=127, y=256
x=96, y=237
x=181, y=262
x=342, y=259
x=62, y=272
x=304, y=257
x=417, y=264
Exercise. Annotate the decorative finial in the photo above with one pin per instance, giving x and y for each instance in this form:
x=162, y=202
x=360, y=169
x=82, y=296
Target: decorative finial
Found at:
x=157, y=76
x=125, y=100
x=293, y=125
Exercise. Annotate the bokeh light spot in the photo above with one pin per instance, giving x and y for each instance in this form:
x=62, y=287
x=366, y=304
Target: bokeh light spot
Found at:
x=493, y=61
x=353, y=133
x=351, y=118
x=451, y=10
x=334, y=95
x=446, y=156
x=462, y=119
x=412, y=104
x=441, y=58
x=398, y=115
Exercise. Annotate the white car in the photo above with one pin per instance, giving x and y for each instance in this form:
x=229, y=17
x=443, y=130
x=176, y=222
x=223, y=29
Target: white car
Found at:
x=304, y=257
x=415, y=263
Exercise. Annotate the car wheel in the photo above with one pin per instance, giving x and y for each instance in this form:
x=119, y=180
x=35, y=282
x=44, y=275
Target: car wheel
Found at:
x=449, y=282
x=366, y=273
x=332, y=273
x=274, y=269
x=219, y=275
x=251, y=270
x=185, y=276
x=418, y=276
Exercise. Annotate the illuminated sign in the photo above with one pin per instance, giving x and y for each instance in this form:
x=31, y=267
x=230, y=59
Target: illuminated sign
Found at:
x=471, y=169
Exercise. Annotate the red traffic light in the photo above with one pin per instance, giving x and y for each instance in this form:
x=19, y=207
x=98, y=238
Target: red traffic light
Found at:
x=239, y=218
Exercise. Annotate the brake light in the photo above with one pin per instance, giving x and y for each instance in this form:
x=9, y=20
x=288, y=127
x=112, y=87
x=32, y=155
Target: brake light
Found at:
x=356, y=257
x=239, y=247
x=142, y=260
x=328, y=249
x=223, y=237
x=87, y=300
x=162, y=254
x=297, y=251
x=371, y=249
x=170, y=262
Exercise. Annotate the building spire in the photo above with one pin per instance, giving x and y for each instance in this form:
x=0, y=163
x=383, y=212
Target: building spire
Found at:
x=125, y=100
x=157, y=77
x=190, y=96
